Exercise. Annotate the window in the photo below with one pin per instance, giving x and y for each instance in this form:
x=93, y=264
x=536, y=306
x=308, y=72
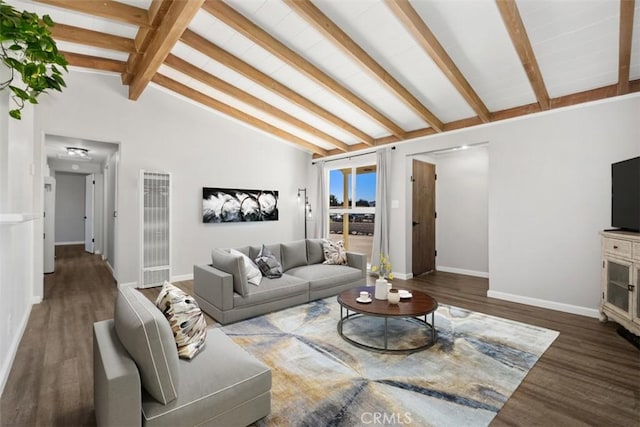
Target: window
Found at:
x=352, y=203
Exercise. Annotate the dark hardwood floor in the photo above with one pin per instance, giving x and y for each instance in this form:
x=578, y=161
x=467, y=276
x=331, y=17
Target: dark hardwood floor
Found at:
x=589, y=375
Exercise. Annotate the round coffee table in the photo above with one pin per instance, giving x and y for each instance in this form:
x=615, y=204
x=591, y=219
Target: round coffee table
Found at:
x=411, y=309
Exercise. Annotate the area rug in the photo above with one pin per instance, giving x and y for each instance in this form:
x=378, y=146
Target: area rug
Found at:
x=319, y=379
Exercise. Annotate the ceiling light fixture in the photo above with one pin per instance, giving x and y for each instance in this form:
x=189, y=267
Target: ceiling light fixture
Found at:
x=77, y=151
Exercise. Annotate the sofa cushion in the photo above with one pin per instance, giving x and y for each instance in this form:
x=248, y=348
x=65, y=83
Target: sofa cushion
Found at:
x=208, y=387
x=254, y=276
x=268, y=264
x=315, y=252
x=185, y=318
x=232, y=264
x=273, y=289
x=294, y=254
x=334, y=252
x=321, y=276
x=145, y=334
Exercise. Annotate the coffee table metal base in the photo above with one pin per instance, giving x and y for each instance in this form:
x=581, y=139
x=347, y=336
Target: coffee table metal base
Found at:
x=386, y=349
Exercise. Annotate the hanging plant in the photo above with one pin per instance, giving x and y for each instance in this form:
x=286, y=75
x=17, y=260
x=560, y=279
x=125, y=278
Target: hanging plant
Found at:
x=27, y=48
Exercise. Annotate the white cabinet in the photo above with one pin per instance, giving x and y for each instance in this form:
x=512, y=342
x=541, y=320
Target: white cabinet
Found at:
x=620, y=300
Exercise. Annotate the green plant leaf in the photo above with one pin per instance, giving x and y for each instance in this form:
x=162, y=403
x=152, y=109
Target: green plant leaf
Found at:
x=47, y=20
x=31, y=54
x=20, y=93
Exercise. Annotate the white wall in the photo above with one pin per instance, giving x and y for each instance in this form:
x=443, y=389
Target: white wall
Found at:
x=163, y=133
x=462, y=224
x=70, y=195
x=549, y=193
x=16, y=240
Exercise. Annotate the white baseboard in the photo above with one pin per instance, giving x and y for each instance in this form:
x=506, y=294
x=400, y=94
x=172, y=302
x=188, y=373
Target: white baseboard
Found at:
x=97, y=252
x=463, y=271
x=13, y=350
x=36, y=300
x=551, y=305
x=403, y=276
x=128, y=285
x=111, y=270
x=182, y=277
x=68, y=243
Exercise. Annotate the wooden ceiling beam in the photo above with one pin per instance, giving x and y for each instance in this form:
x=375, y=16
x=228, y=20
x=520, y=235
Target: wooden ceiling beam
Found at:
x=244, y=26
x=157, y=12
x=627, y=8
x=224, y=87
x=165, y=37
x=523, y=110
x=94, y=62
x=72, y=34
x=322, y=23
x=235, y=113
x=109, y=9
x=220, y=55
x=428, y=41
x=518, y=33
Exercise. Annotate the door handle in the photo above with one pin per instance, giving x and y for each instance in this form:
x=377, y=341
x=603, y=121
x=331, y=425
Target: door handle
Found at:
x=414, y=223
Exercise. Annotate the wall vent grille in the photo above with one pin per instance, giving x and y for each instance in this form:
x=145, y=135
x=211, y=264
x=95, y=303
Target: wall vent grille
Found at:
x=155, y=229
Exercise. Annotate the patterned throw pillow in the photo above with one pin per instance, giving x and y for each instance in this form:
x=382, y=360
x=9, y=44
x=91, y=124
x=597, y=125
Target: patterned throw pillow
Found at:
x=185, y=318
x=334, y=252
x=268, y=264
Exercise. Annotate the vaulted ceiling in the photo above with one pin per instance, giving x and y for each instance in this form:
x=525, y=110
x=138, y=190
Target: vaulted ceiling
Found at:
x=336, y=76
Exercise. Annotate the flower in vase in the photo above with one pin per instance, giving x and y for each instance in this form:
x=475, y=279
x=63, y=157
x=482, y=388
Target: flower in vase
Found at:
x=383, y=269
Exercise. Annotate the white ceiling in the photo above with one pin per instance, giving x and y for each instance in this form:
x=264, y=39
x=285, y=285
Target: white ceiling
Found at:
x=56, y=148
x=575, y=43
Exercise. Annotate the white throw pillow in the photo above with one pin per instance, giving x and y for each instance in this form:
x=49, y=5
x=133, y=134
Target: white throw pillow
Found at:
x=334, y=252
x=254, y=276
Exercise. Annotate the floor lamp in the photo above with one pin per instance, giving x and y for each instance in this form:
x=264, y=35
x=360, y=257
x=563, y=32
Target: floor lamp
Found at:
x=307, y=208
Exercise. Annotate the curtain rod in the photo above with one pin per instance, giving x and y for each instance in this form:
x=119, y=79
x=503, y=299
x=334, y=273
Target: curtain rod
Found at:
x=353, y=155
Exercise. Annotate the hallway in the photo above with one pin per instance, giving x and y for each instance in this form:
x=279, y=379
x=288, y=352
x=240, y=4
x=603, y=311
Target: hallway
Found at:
x=51, y=382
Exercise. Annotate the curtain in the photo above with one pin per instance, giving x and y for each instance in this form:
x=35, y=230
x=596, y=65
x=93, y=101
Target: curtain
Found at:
x=322, y=200
x=381, y=225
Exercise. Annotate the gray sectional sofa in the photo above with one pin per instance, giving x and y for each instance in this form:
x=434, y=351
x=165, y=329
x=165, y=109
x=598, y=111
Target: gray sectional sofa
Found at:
x=139, y=379
x=222, y=291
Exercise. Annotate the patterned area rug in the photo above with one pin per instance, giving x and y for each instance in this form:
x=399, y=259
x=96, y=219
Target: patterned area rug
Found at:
x=319, y=379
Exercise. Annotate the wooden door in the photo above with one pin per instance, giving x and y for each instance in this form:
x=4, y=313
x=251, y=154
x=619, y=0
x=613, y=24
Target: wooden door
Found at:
x=424, y=217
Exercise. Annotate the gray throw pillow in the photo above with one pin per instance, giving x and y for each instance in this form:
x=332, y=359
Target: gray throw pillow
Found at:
x=268, y=264
x=234, y=265
x=146, y=334
x=294, y=254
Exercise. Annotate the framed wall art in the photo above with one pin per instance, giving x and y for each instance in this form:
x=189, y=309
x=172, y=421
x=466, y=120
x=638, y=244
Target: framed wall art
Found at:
x=236, y=205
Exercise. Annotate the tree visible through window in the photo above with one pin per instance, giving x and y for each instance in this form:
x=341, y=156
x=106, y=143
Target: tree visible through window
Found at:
x=352, y=203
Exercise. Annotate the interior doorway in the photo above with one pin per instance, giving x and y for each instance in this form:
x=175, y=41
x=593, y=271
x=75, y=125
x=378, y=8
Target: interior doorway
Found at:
x=94, y=165
x=89, y=213
x=423, y=223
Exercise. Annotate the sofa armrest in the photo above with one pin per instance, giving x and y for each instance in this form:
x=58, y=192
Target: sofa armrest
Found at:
x=116, y=381
x=213, y=285
x=358, y=261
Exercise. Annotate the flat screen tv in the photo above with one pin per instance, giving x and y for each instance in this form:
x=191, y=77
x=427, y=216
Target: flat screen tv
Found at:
x=625, y=194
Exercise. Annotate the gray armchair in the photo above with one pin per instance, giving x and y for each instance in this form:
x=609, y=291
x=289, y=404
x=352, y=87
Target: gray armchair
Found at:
x=139, y=379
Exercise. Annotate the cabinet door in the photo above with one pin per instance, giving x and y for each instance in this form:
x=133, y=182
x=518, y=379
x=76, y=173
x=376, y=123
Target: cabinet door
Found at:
x=636, y=314
x=618, y=278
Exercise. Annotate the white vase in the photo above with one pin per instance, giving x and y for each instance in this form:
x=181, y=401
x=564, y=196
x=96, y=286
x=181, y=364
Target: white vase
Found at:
x=381, y=289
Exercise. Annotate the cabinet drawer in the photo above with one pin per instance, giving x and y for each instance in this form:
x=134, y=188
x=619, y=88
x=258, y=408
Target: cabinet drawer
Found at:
x=636, y=252
x=619, y=247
